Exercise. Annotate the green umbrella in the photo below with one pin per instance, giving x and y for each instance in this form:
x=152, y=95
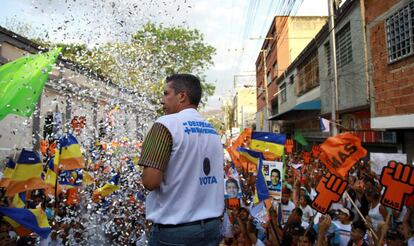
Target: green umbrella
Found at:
x=22, y=82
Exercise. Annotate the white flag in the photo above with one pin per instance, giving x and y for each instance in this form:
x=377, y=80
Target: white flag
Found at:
x=324, y=125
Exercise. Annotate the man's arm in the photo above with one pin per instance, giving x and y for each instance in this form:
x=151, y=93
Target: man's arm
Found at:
x=155, y=155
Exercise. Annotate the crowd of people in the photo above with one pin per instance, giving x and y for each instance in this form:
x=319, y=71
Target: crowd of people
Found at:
x=76, y=218
x=119, y=219
x=358, y=218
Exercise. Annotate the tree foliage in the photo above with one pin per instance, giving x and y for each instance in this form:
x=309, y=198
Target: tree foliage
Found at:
x=152, y=53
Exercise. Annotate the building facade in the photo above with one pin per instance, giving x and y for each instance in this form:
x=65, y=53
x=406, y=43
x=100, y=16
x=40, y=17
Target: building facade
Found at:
x=374, y=86
x=286, y=38
x=245, y=107
x=390, y=35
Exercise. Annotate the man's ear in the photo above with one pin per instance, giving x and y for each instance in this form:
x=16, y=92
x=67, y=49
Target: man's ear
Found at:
x=182, y=96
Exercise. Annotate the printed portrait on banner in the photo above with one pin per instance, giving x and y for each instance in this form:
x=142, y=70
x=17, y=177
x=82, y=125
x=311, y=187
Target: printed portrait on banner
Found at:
x=273, y=173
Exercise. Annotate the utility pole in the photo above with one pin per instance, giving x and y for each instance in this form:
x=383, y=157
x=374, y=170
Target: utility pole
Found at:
x=334, y=81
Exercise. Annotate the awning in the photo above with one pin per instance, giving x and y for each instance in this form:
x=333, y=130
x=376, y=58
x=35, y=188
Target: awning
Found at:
x=302, y=110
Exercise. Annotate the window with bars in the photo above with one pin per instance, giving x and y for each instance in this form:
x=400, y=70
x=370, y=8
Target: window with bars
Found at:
x=343, y=46
x=275, y=70
x=291, y=79
x=400, y=33
x=283, y=93
x=308, y=75
x=328, y=59
x=269, y=77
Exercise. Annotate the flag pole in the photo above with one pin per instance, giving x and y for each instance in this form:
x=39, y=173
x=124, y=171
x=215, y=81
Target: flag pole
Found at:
x=360, y=214
x=57, y=175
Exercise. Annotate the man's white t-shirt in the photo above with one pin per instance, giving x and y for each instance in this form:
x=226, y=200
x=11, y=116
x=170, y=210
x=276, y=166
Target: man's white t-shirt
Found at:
x=287, y=211
x=193, y=187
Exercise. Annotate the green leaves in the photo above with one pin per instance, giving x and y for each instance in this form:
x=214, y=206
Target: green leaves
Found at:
x=153, y=53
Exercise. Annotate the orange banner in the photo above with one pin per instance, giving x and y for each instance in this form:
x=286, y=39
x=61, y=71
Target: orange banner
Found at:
x=243, y=140
x=398, y=180
x=329, y=190
x=316, y=150
x=289, y=146
x=341, y=152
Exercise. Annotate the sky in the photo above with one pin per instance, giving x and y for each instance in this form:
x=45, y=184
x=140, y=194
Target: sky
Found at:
x=234, y=27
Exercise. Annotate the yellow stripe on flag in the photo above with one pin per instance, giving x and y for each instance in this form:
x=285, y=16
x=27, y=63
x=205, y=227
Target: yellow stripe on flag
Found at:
x=71, y=158
x=50, y=177
x=248, y=157
x=72, y=151
x=41, y=217
x=262, y=146
x=8, y=172
x=107, y=189
x=87, y=178
x=27, y=171
x=17, y=202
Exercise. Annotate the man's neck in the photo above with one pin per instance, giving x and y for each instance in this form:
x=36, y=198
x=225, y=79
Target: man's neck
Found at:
x=187, y=107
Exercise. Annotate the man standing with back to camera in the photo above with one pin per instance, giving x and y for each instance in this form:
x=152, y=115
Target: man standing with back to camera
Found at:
x=183, y=159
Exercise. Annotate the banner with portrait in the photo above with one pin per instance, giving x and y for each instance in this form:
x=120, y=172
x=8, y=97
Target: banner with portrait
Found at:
x=232, y=188
x=232, y=192
x=273, y=173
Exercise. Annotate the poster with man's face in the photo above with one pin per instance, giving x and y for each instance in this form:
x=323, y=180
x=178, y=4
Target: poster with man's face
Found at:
x=273, y=171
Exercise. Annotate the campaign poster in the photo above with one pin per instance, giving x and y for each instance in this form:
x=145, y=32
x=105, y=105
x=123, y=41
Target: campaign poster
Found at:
x=380, y=160
x=273, y=171
x=232, y=188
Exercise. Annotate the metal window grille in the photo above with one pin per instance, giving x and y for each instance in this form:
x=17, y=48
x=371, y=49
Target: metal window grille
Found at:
x=328, y=58
x=400, y=33
x=275, y=70
x=343, y=46
x=283, y=93
x=269, y=77
x=291, y=79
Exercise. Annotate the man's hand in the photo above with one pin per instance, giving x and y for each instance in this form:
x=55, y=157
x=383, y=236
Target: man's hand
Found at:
x=324, y=223
x=398, y=180
x=329, y=189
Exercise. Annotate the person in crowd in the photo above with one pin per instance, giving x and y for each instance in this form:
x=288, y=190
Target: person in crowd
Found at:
x=377, y=213
x=358, y=232
x=293, y=227
x=394, y=238
x=308, y=212
x=287, y=205
x=307, y=238
x=183, y=162
x=244, y=231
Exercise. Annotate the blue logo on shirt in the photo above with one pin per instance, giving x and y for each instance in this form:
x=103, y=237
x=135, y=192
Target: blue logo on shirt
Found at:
x=207, y=179
x=198, y=127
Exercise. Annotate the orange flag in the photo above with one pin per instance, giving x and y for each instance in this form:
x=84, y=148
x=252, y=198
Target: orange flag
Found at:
x=243, y=139
x=341, y=152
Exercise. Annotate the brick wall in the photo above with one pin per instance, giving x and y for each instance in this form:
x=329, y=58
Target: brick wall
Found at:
x=393, y=84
